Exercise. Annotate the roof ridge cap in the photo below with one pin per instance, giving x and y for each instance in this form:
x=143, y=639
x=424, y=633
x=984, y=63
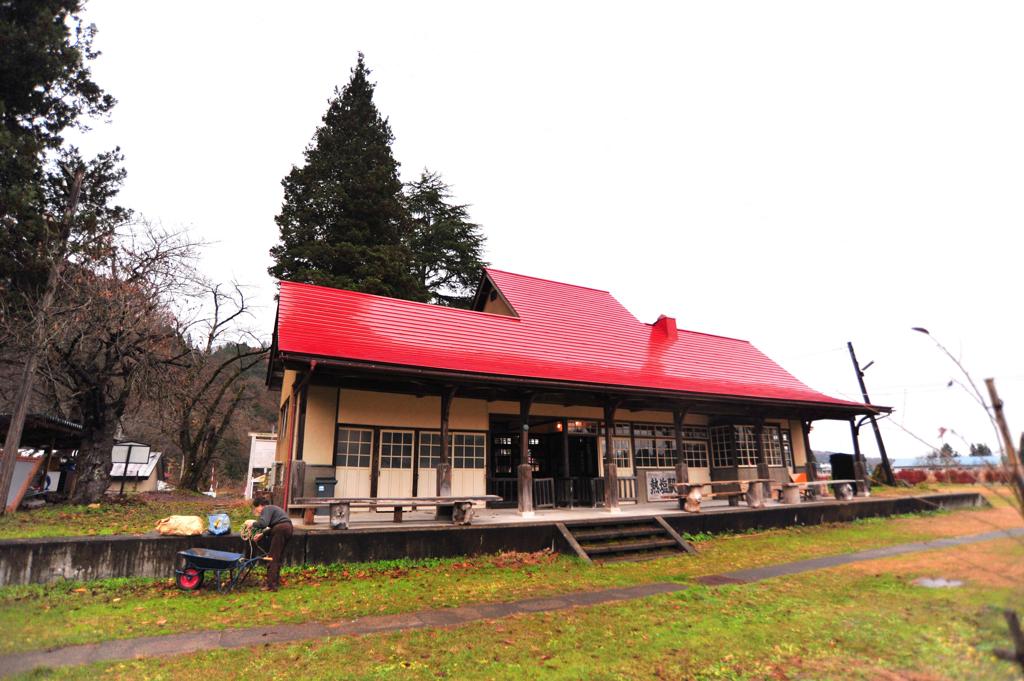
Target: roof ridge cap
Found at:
x=433, y=306
x=550, y=281
x=715, y=335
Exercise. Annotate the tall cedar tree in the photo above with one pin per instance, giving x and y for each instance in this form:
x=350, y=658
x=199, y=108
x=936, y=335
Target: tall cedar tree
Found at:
x=46, y=88
x=343, y=223
x=446, y=246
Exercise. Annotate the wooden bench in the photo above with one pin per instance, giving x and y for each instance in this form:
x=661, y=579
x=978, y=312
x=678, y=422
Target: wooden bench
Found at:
x=690, y=494
x=459, y=509
x=791, y=492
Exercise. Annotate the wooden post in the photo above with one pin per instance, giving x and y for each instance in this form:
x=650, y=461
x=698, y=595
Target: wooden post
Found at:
x=763, y=471
x=611, y=473
x=566, y=466
x=12, y=441
x=811, y=463
x=444, y=465
x=46, y=466
x=525, y=470
x=293, y=415
x=286, y=484
x=859, y=465
x=124, y=472
x=682, y=472
x=1016, y=473
x=1017, y=654
x=887, y=473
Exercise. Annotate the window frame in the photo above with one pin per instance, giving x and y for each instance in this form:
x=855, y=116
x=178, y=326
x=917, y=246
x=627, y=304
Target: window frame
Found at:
x=431, y=460
x=721, y=445
x=342, y=460
x=385, y=461
x=479, y=458
x=745, y=452
x=771, y=444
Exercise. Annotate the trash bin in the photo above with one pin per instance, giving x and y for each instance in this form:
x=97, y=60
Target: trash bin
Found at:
x=842, y=467
x=324, y=488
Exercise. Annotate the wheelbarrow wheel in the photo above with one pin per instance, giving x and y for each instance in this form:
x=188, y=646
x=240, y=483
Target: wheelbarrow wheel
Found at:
x=189, y=579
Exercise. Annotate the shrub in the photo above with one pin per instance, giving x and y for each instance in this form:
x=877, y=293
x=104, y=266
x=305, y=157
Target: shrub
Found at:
x=911, y=476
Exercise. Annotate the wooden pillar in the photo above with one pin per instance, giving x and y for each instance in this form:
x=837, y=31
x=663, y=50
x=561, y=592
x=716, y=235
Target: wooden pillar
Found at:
x=300, y=438
x=525, y=470
x=444, y=464
x=811, y=463
x=682, y=472
x=286, y=484
x=124, y=471
x=611, y=473
x=763, y=471
x=46, y=466
x=859, y=464
x=566, y=465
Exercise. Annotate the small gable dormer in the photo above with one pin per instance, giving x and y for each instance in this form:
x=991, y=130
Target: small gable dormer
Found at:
x=489, y=299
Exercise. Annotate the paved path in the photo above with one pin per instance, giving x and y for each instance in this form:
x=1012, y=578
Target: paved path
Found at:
x=782, y=569
x=171, y=644
x=190, y=642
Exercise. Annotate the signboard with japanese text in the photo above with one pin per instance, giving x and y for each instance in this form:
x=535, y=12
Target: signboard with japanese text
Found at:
x=659, y=484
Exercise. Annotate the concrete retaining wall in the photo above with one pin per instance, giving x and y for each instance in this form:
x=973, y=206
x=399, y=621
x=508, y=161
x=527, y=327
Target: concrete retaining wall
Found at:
x=38, y=561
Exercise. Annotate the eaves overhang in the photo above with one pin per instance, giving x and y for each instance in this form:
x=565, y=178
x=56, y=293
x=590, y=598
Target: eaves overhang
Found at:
x=837, y=410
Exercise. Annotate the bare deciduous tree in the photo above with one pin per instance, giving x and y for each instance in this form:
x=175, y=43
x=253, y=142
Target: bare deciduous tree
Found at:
x=115, y=327
x=210, y=381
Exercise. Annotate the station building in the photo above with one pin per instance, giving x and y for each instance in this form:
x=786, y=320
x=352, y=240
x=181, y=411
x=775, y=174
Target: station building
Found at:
x=550, y=381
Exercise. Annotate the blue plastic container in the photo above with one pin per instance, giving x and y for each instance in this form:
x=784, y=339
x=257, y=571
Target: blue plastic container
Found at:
x=220, y=523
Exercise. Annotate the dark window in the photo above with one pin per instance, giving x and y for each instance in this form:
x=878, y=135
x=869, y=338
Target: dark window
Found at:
x=746, y=446
x=621, y=447
x=501, y=451
x=787, y=447
x=696, y=453
x=468, y=450
x=396, y=449
x=430, y=450
x=583, y=427
x=353, y=448
x=722, y=446
x=771, y=442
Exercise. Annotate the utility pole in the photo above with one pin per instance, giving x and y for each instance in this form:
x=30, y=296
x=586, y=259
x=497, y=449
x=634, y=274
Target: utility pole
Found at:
x=28, y=373
x=890, y=479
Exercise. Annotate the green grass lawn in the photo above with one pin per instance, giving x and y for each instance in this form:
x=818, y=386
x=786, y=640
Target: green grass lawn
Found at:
x=988, y=489
x=864, y=624
x=42, y=616
x=133, y=514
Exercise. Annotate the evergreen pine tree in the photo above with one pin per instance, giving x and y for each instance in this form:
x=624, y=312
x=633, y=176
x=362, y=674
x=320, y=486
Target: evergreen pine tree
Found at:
x=46, y=89
x=446, y=246
x=343, y=223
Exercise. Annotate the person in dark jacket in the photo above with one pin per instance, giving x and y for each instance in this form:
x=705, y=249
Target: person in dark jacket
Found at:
x=272, y=522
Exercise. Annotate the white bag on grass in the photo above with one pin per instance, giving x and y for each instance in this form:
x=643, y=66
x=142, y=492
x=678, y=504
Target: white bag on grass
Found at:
x=182, y=525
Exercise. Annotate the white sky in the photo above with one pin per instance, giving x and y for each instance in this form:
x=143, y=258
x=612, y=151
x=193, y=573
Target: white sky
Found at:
x=796, y=174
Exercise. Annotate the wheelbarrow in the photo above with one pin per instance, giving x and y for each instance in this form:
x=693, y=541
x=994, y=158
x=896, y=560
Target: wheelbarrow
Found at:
x=229, y=569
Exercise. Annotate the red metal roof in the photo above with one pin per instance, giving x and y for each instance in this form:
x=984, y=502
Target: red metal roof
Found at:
x=562, y=332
